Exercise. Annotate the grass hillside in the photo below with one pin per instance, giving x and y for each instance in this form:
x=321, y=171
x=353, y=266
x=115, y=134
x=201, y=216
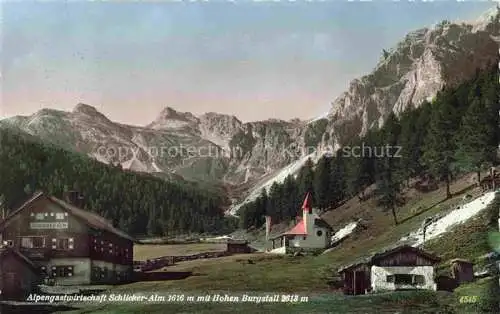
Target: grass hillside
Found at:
x=311, y=276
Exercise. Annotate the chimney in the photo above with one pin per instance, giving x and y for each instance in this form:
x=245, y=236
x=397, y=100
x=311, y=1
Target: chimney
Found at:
x=74, y=198
x=268, y=227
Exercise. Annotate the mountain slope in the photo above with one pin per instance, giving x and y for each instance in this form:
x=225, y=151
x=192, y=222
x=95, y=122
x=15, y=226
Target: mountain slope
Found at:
x=220, y=149
x=138, y=203
x=418, y=67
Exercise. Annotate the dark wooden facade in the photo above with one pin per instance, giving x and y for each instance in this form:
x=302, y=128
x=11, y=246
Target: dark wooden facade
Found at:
x=68, y=244
x=236, y=247
x=491, y=181
x=279, y=241
x=357, y=277
x=462, y=270
x=19, y=227
x=18, y=275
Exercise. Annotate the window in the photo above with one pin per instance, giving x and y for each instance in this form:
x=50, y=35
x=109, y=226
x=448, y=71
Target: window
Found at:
x=403, y=279
x=418, y=279
x=406, y=279
x=319, y=233
x=62, y=271
x=60, y=216
x=304, y=237
x=40, y=216
x=32, y=242
x=8, y=243
x=43, y=271
x=96, y=273
x=62, y=244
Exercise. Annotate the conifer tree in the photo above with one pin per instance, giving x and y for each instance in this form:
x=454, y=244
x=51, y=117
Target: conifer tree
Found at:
x=322, y=183
x=388, y=184
x=338, y=185
x=477, y=138
x=305, y=179
x=440, y=141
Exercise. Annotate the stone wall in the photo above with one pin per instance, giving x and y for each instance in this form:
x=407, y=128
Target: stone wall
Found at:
x=379, y=278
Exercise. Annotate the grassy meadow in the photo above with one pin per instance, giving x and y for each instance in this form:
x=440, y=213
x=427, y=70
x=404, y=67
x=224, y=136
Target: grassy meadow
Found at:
x=311, y=276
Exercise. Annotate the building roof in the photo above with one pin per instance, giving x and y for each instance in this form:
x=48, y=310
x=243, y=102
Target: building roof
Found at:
x=358, y=262
x=461, y=260
x=8, y=250
x=307, y=205
x=92, y=219
x=416, y=250
x=370, y=259
x=320, y=222
x=89, y=218
x=298, y=229
x=33, y=198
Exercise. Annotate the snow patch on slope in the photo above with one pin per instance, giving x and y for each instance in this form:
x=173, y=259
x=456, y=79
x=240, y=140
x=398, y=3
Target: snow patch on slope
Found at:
x=344, y=232
x=170, y=124
x=455, y=217
x=291, y=169
x=134, y=165
x=156, y=168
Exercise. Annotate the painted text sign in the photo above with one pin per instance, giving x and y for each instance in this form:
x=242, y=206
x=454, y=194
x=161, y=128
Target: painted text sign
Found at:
x=49, y=225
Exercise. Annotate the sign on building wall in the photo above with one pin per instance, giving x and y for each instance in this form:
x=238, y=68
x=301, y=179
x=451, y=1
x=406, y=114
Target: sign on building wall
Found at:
x=49, y=225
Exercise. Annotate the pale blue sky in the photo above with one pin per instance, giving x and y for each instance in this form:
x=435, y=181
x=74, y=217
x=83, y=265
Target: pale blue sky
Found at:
x=254, y=60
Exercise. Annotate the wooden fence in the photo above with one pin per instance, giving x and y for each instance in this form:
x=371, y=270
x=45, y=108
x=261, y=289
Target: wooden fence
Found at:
x=160, y=262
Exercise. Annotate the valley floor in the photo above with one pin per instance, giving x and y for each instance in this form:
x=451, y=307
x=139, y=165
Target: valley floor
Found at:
x=315, y=277
x=396, y=302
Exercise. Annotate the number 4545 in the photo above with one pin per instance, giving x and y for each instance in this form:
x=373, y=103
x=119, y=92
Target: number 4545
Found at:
x=468, y=299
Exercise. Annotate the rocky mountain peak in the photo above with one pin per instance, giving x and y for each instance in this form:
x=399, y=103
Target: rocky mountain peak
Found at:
x=84, y=108
x=410, y=72
x=414, y=70
x=90, y=112
x=214, y=119
x=169, y=118
x=169, y=113
x=487, y=18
